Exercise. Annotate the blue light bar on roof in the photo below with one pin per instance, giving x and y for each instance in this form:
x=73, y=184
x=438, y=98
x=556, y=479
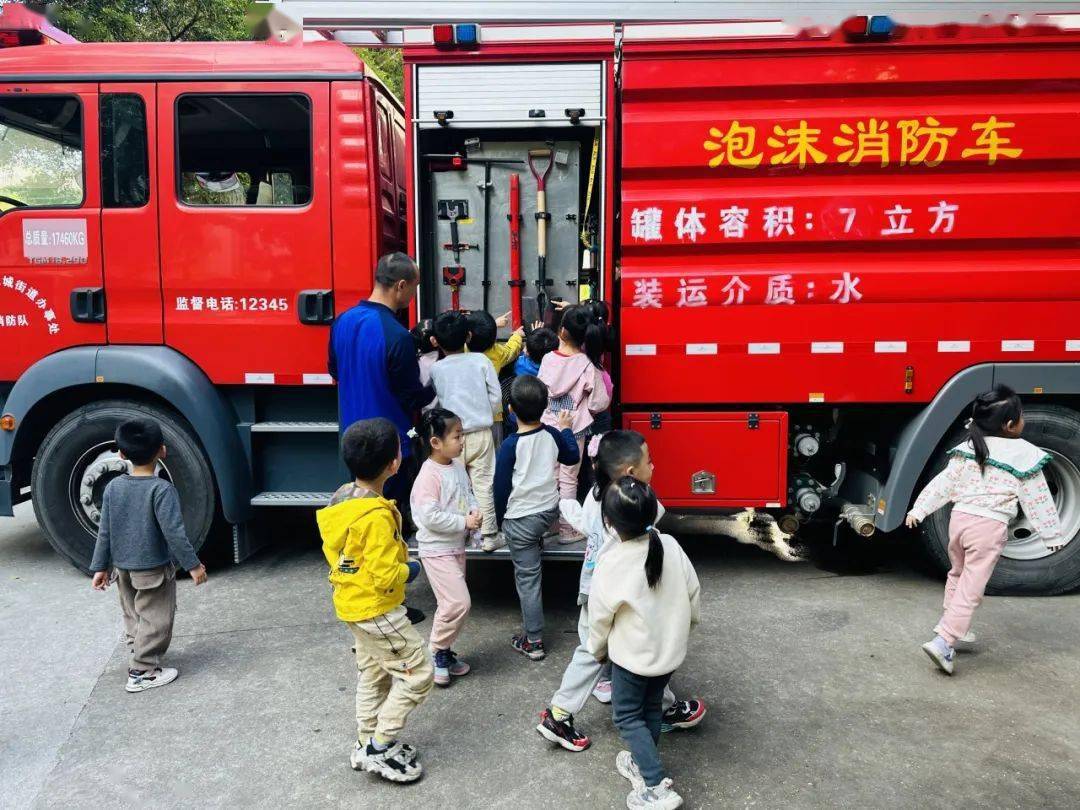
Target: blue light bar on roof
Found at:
x=467, y=33
x=881, y=26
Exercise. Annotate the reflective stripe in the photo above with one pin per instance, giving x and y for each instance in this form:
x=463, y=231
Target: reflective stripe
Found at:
x=318, y=379
x=827, y=347
x=718, y=30
x=701, y=348
x=763, y=348
x=258, y=379
x=1018, y=345
x=640, y=349
x=890, y=346
x=954, y=346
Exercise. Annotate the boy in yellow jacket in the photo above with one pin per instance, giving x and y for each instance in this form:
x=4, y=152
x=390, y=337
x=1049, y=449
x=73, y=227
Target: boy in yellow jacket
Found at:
x=369, y=567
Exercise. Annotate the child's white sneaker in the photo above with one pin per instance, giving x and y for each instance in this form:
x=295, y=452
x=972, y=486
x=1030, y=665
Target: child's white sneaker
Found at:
x=941, y=654
x=493, y=542
x=628, y=769
x=358, y=757
x=602, y=691
x=395, y=764
x=658, y=797
x=967, y=639
x=141, y=680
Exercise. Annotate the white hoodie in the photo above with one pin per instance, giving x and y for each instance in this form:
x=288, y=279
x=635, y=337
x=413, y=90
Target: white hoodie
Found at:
x=644, y=630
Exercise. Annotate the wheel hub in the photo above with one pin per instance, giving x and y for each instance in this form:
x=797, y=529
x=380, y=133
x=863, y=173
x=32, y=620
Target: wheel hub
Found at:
x=90, y=474
x=1063, y=477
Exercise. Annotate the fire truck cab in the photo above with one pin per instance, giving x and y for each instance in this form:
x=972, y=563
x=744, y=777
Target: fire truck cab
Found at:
x=177, y=222
x=818, y=244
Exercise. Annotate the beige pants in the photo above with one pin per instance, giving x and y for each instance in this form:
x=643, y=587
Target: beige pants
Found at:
x=394, y=674
x=479, y=459
x=148, y=600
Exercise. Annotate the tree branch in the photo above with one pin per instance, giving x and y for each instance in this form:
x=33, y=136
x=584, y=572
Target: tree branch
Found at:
x=187, y=27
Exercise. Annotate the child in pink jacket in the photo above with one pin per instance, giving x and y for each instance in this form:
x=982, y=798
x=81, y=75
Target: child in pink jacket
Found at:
x=574, y=376
x=987, y=478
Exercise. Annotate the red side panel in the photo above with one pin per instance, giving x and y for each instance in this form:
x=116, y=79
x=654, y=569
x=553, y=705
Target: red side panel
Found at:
x=723, y=459
x=46, y=253
x=806, y=221
x=351, y=109
x=129, y=241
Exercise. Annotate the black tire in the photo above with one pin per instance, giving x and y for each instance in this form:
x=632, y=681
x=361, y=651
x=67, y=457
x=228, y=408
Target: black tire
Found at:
x=90, y=430
x=1055, y=429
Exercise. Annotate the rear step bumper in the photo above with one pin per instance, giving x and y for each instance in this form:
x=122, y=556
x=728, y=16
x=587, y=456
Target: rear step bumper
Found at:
x=291, y=499
x=553, y=550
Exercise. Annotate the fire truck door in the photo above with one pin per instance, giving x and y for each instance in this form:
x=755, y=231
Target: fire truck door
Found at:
x=50, y=231
x=129, y=220
x=245, y=228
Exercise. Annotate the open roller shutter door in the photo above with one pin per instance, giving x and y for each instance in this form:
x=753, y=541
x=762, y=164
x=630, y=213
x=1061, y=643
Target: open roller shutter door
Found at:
x=504, y=95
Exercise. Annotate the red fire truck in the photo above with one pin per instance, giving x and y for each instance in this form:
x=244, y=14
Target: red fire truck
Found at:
x=819, y=244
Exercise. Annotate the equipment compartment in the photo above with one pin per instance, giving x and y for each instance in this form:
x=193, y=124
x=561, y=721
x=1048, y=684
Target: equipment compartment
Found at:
x=456, y=198
x=717, y=459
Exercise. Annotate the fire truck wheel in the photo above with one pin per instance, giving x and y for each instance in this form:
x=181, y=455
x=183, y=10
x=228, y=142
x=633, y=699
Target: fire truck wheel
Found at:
x=78, y=458
x=1026, y=567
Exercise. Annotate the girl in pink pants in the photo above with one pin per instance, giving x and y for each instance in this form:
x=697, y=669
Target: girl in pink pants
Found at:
x=575, y=379
x=445, y=512
x=987, y=478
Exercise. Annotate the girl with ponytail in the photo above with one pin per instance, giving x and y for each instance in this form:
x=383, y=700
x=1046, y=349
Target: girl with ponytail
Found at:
x=988, y=478
x=619, y=453
x=445, y=512
x=574, y=376
x=643, y=602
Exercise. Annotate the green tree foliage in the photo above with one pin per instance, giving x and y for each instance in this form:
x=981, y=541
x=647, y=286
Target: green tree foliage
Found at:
x=385, y=63
x=147, y=20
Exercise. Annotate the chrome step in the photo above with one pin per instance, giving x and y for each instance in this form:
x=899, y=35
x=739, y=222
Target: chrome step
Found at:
x=553, y=550
x=294, y=427
x=291, y=499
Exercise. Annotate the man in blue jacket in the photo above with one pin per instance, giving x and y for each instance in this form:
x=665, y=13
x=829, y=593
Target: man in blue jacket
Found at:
x=373, y=359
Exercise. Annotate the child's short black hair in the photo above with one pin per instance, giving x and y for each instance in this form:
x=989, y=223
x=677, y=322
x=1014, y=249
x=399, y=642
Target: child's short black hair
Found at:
x=369, y=446
x=528, y=398
x=540, y=342
x=421, y=335
x=451, y=330
x=484, y=331
x=139, y=440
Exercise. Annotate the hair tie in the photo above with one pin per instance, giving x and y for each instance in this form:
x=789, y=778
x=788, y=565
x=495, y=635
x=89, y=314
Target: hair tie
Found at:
x=594, y=445
x=411, y=433
x=650, y=529
x=968, y=423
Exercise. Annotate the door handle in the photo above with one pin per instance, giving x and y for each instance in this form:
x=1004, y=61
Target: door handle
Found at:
x=315, y=307
x=88, y=305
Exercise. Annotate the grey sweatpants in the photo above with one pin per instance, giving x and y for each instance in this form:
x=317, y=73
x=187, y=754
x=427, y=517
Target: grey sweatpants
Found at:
x=148, y=600
x=525, y=539
x=583, y=671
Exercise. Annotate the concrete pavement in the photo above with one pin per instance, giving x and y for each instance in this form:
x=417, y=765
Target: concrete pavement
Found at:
x=819, y=694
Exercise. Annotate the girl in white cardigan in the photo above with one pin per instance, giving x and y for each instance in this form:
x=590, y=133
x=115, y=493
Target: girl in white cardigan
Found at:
x=643, y=601
x=987, y=478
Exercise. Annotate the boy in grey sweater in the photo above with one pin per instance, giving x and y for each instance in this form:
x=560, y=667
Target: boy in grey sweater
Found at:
x=140, y=535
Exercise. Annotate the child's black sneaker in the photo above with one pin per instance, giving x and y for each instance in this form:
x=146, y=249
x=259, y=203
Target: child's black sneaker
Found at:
x=683, y=714
x=562, y=732
x=141, y=680
x=395, y=764
x=532, y=649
